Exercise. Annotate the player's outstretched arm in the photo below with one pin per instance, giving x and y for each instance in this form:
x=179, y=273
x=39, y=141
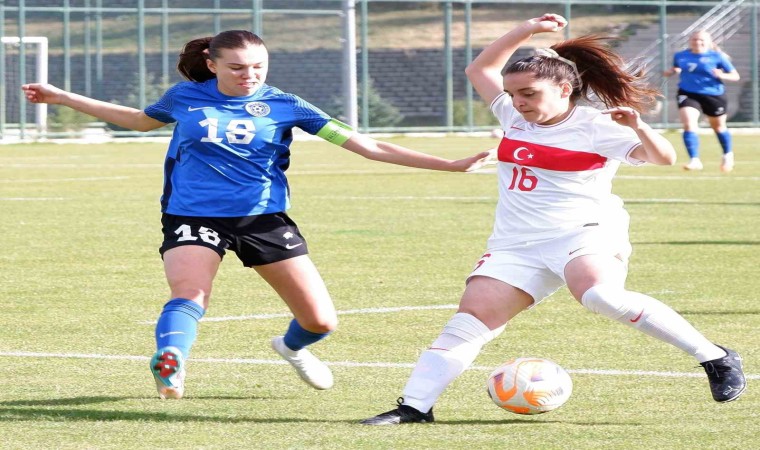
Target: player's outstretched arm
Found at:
x=124, y=116
x=338, y=133
x=395, y=154
x=484, y=72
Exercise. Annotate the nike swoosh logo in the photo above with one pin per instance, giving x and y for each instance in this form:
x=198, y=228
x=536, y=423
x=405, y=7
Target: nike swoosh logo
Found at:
x=574, y=251
x=291, y=246
x=637, y=317
x=190, y=108
x=163, y=335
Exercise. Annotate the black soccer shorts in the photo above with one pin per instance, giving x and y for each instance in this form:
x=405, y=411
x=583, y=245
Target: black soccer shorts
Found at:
x=711, y=105
x=257, y=240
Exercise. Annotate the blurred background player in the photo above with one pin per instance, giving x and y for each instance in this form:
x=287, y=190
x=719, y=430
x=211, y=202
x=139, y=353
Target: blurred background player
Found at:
x=225, y=189
x=557, y=221
x=702, y=70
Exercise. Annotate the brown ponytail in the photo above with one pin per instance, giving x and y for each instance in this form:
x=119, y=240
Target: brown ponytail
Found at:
x=602, y=72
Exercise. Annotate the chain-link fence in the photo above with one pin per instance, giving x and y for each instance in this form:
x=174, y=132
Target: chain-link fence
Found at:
x=409, y=54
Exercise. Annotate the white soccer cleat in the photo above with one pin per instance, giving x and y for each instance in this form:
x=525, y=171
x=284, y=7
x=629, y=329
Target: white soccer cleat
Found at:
x=727, y=164
x=168, y=368
x=311, y=370
x=694, y=164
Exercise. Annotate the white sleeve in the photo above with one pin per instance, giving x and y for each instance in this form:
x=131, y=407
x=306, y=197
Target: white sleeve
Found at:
x=502, y=108
x=615, y=141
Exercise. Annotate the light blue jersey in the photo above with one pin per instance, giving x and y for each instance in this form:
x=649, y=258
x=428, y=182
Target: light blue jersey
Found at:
x=228, y=155
x=696, y=71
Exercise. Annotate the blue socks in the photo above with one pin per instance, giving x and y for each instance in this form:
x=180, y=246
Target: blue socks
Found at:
x=691, y=141
x=725, y=141
x=178, y=325
x=297, y=338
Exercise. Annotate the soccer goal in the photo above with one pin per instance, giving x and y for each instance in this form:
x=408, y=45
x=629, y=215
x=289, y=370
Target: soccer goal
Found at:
x=22, y=60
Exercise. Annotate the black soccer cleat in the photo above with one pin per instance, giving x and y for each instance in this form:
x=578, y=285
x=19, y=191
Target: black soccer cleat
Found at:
x=726, y=376
x=402, y=414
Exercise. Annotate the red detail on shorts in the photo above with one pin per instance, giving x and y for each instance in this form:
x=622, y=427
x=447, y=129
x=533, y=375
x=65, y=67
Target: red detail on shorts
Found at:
x=482, y=260
x=638, y=317
x=546, y=157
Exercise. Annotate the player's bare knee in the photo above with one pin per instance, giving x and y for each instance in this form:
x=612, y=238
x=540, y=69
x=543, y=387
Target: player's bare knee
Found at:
x=319, y=325
x=197, y=295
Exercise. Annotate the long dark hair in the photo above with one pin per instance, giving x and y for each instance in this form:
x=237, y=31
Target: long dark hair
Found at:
x=599, y=70
x=192, y=59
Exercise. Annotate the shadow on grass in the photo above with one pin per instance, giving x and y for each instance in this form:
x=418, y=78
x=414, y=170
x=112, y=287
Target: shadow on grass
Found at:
x=91, y=415
x=35, y=410
x=51, y=409
x=740, y=312
x=532, y=422
x=697, y=243
x=76, y=401
x=689, y=203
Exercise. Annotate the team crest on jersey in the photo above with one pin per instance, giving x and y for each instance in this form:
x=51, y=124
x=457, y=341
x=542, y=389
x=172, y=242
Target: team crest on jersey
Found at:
x=257, y=109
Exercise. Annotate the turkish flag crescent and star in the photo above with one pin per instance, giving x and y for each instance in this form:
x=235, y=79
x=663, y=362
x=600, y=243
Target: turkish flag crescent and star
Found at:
x=547, y=157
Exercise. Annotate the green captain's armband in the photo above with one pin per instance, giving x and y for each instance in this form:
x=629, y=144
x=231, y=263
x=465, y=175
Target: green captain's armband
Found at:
x=335, y=132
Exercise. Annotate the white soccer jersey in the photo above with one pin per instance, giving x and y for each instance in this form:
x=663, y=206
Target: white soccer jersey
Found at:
x=557, y=177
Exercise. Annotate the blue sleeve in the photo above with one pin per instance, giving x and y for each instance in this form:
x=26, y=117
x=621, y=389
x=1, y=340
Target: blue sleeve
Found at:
x=308, y=117
x=725, y=63
x=162, y=109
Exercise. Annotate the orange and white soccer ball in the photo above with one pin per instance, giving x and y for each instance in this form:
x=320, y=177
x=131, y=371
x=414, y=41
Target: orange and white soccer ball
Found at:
x=529, y=386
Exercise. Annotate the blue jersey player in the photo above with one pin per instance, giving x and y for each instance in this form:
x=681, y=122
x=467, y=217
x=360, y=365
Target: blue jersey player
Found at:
x=702, y=71
x=225, y=189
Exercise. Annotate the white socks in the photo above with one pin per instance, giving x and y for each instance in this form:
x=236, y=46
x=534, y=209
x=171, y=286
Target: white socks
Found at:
x=464, y=336
x=449, y=356
x=651, y=317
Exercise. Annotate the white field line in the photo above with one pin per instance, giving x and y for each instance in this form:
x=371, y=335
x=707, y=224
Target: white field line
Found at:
x=493, y=171
x=404, y=197
x=270, y=362
x=304, y=170
x=484, y=198
x=29, y=199
x=340, y=313
x=58, y=180
x=79, y=166
x=686, y=177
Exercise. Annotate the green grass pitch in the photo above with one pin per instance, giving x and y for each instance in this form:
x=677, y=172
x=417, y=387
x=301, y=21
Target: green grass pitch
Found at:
x=81, y=283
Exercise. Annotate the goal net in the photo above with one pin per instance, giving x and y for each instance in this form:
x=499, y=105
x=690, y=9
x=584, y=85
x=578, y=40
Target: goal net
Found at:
x=22, y=60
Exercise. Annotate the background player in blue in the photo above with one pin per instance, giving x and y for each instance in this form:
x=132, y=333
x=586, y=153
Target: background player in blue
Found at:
x=225, y=189
x=703, y=69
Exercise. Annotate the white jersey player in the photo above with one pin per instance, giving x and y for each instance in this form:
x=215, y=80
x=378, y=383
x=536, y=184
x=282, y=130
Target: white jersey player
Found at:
x=557, y=221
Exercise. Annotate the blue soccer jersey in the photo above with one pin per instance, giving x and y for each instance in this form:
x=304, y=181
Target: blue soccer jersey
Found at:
x=697, y=71
x=228, y=155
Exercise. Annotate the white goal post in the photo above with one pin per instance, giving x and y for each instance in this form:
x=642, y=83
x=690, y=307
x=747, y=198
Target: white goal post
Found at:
x=15, y=74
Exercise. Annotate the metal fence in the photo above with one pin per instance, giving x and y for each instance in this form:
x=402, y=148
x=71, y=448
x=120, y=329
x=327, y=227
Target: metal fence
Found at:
x=405, y=58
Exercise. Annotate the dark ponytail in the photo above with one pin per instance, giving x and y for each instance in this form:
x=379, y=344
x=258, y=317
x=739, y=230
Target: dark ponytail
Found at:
x=192, y=60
